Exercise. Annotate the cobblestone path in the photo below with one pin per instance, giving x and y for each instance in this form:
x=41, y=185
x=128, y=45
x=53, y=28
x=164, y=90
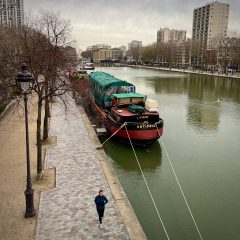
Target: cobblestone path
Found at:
x=68, y=211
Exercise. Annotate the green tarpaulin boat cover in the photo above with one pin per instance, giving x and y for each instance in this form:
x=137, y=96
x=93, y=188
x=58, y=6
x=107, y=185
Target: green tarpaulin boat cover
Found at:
x=136, y=108
x=100, y=81
x=127, y=95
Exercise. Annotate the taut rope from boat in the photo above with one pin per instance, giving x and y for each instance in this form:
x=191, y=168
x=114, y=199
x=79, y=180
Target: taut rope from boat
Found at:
x=147, y=185
x=180, y=186
x=98, y=148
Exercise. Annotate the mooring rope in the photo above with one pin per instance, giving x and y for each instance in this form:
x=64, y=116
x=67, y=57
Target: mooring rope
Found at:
x=98, y=148
x=147, y=185
x=180, y=186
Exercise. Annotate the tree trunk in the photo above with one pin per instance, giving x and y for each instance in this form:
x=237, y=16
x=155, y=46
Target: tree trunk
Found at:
x=52, y=86
x=39, y=142
x=45, y=126
x=51, y=90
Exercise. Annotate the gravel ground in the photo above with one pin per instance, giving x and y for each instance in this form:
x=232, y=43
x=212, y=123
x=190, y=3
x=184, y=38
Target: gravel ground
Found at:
x=13, y=174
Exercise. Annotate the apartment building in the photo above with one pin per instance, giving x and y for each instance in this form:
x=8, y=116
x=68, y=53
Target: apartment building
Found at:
x=134, y=44
x=124, y=49
x=116, y=54
x=210, y=21
x=101, y=54
x=11, y=12
x=181, y=53
x=171, y=35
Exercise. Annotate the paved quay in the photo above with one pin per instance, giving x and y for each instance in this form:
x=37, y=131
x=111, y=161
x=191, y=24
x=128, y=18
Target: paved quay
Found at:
x=68, y=211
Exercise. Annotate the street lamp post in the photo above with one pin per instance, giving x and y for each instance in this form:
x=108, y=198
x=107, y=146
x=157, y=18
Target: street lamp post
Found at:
x=24, y=77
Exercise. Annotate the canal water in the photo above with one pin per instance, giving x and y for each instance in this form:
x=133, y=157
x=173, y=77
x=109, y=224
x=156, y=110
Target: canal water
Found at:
x=202, y=137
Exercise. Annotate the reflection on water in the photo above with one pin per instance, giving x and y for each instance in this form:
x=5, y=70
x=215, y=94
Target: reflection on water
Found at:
x=171, y=85
x=205, y=95
x=203, y=110
x=150, y=157
x=203, y=118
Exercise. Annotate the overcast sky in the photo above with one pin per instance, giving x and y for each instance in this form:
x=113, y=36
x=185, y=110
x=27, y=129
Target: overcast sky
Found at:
x=118, y=22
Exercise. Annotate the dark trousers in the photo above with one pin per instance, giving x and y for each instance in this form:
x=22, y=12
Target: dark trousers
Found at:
x=100, y=214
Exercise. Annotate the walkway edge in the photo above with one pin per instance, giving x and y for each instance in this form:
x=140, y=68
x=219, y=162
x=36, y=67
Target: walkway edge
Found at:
x=128, y=215
x=8, y=107
x=181, y=71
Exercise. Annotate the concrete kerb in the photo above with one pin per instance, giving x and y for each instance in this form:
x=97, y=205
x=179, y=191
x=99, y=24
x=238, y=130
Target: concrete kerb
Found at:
x=128, y=215
x=39, y=216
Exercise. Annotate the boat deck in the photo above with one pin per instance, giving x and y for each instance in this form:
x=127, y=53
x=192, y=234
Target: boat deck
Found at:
x=125, y=112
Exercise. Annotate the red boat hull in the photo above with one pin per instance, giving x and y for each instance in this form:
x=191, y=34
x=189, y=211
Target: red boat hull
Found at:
x=138, y=137
x=140, y=134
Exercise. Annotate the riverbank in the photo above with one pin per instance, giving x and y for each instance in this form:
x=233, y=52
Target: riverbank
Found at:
x=68, y=210
x=235, y=75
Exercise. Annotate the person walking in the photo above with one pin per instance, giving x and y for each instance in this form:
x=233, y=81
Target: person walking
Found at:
x=100, y=201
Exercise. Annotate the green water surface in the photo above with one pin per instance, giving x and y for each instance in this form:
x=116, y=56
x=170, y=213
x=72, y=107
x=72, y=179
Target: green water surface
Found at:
x=202, y=137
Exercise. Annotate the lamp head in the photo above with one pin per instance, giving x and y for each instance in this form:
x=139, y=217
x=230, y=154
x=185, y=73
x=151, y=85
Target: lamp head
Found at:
x=24, y=77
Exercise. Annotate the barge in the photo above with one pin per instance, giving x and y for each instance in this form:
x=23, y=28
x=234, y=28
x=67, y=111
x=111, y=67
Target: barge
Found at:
x=119, y=108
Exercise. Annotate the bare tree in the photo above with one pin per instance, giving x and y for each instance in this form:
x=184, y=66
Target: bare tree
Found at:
x=211, y=58
x=235, y=53
x=136, y=53
x=160, y=53
x=41, y=44
x=58, y=32
x=235, y=49
x=223, y=46
x=149, y=54
x=8, y=63
x=194, y=53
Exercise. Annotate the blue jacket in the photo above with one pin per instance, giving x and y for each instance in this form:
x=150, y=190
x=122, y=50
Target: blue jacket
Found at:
x=101, y=201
